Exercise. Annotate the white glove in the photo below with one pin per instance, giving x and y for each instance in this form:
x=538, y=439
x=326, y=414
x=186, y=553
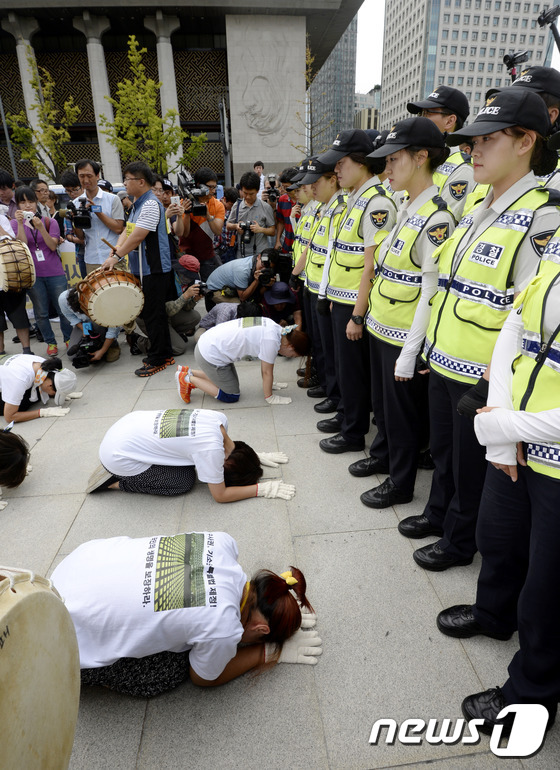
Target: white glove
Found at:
x=302, y=647
x=28, y=469
x=54, y=411
x=272, y=400
x=272, y=459
x=76, y=394
x=275, y=488
x=3, y=504
x=308, y=619
x=279, y=385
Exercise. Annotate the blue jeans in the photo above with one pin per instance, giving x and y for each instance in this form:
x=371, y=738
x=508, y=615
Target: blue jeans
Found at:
x=47, y=289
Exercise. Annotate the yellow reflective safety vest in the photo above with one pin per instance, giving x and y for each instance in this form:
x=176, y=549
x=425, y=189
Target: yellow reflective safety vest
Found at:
x=536, y=372
x=304, y=227
x=475, y=294
x=443, y=172
x=476, y=196
x=321, y=240
x=347, y=255
x=396, y=290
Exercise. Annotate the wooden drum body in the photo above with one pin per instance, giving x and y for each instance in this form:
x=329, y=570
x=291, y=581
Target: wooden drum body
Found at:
x=39, y=674
x=17, y=271
x=111, y=297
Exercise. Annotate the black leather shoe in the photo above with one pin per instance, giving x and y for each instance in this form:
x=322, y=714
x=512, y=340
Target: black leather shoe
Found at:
x=425, y=461
x=330, y=426
x=308, y=382
x=385, y=495
x=488, y=704
x=301, y=372
x=418, y=527
x=316, y=392
x=433, y=558
x=337, y=444
x=325, y=407
x=459, y=622
x=368, y=466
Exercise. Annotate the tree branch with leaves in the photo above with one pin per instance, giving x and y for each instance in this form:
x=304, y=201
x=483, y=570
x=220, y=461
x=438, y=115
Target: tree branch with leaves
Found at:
x=42, y=144
x=137, y=131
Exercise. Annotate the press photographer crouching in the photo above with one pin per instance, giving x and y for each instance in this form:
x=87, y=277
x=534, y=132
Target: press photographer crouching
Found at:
x=243, y=279
x=182, y=319
x=89, y=343
x=281, y=304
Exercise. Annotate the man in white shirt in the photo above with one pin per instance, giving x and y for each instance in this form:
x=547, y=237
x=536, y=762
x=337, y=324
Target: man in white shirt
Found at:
x=107, y=215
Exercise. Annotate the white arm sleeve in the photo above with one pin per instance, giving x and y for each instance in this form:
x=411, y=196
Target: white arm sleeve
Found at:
x=508, y=346
x=501, y=425
x=406, y=362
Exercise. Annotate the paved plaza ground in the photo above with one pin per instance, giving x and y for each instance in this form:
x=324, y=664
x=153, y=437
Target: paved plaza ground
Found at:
x=383, y=655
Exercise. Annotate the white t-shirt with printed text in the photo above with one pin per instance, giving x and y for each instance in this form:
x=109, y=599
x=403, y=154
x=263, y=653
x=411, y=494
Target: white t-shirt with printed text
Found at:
x=232, y=340
x=166, y=437
x=129, y=598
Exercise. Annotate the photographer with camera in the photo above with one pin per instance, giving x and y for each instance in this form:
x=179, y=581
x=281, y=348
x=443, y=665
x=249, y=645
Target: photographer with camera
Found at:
x=89, y=343
x=249, y=277
x=71, y=183
x=203, y=218
x=251, y=219
x=95, y=215
x=286, y=201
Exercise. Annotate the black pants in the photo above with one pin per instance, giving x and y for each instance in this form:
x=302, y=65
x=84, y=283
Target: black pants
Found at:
x=398, y=408
x=352, y=371
x=460, y=468
x=167, y=480
x=156, y=291
x=518, y=536
x=324, y=325
x=141, y=677
x=25, y=402
x=309, y=302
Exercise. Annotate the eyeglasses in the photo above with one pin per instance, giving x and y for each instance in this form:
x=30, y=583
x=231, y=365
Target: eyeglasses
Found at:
x=131, y=178
x=427, y=113
x=73, y=189
x=212, y=186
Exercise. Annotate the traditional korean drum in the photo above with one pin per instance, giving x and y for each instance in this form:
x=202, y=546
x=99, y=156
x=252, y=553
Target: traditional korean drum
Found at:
x=111, y=297
x=17, y=271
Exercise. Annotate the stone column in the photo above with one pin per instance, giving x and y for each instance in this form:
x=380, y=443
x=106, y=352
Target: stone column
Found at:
x=23, y=28
x=93, y=28
x=163, y=27
x=266, y=71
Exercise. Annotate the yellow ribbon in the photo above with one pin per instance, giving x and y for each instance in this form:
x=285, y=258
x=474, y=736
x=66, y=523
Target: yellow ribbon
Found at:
x=244, y=602
x=289, y=578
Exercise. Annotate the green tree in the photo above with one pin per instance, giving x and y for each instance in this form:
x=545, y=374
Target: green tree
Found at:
x=138, y=132
x=314, y=129
x=42, y=145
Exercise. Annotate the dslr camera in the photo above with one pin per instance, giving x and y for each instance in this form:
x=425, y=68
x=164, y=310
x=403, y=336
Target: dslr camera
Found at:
x=247, y=234
x=81, y=216
x=203, y=288
x=268, y=272
x=272, y=192
x=88, y=344
x=188, y=189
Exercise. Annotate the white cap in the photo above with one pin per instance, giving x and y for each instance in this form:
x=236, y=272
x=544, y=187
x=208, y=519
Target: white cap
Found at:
x=65, y=382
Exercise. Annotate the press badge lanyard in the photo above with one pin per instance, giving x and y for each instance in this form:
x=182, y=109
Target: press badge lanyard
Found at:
x=39, y=256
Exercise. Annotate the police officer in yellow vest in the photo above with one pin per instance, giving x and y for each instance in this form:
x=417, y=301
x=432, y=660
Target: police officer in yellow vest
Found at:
x=399, y=309
x=369, y=210
x=492, y=255
x=448, y=108
x=326, y=191
x=518, y=531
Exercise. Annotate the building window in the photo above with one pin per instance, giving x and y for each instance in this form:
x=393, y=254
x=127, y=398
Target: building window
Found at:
x=451, y=65
x=440, y=80
x=473, y=50
x=477, y=96
x=484, y=36
x=476, y=20
x=468, y=94
x=469, y=81
x=498, y=82
x=463, y=50
x=522, y=38
x=456, y=18
x=460, y=81
x=450, y=80
x=467, y=18
x=499, y=67
x=454, y=34
x=513, y=37
x=486, y=21
x=503, y=37
x=464, y=35
x=481, y=66
x=488, y=82
x=507, y=6
x=444, y=34
x=453, y=50
x=494, y=37
x=505, y=21
x=517, y=7
x=524, y=23
x=462, y=66
x=446, y=18
x=531, y=39
x=474, y=36
x=482, y=51
x=514, y=22
x=541, y=39
x=498, y=4
x=479, y=81
x=442, y=65
x=496, y=21
x=471, y=66
x=444, y=50
x=491, y=67
x=492, y=53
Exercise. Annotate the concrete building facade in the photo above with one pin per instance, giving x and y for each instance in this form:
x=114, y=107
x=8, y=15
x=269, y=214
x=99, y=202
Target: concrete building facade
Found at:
x=460, y=43
x=222, y=51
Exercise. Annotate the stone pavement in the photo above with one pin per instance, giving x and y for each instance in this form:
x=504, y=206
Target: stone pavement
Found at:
x=383, y=655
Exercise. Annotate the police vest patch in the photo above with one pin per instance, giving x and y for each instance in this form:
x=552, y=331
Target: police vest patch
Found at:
x=397, y=247
x=540, y=241
x=458, y=189
x=348, y=224
x=379, y=218
x=322, y=230
x=438, y=234
x=487, y=254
